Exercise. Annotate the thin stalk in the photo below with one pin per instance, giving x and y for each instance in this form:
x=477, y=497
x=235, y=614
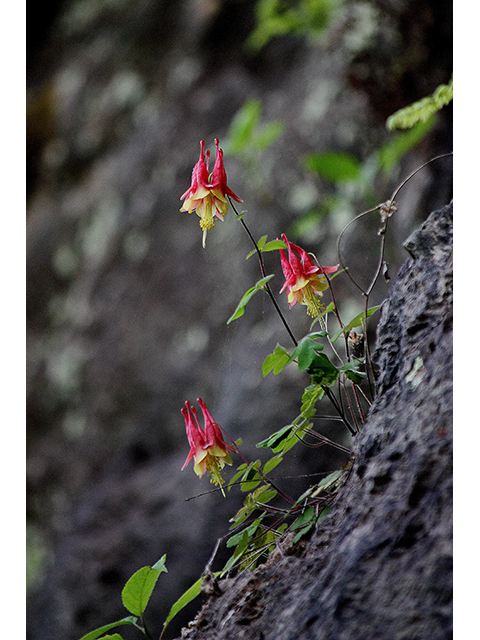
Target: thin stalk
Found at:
x=339, y=410
x=352, y=412
x=264, y=274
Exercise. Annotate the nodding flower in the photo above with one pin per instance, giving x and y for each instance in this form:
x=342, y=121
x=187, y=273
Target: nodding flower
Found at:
x=207, y=195
x=304, y=280
x=207, y=446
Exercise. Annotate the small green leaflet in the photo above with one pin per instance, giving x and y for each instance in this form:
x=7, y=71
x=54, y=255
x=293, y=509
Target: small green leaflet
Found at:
x=272, y=463
x=276, y=438
x=263, y=246
x=189, y=595
x=310, y=396
x=240, y=310
x=276, y=361
x=333, y=166
x=96, y=633
x=356, y=322
x=307, y=515
x=136, y=593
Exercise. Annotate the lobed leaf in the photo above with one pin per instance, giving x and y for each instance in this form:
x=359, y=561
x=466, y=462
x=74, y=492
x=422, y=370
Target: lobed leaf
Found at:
x=310, y=396
x=276, y=361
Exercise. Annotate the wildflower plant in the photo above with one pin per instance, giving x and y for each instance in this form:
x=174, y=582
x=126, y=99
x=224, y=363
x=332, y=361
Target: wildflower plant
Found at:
x=337, y=366
x=343, y=375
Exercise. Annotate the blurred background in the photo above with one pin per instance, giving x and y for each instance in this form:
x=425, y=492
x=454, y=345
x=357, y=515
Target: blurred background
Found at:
x=126, y=313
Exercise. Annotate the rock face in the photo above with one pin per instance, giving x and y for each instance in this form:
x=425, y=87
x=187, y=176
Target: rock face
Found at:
x=380, y=565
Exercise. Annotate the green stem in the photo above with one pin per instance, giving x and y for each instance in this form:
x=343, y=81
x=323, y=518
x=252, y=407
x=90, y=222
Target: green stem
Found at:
x=264, y=274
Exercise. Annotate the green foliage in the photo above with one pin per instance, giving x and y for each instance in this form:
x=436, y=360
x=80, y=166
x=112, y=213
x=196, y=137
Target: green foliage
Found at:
x=389, y=154
x=247, y=138
x=277, y=18
x=358, y=321
x=137, y=591
x=240, y=310
x=333, y=166
x=276, y=361
x=135, y=596
x=187, y=597
x=93, y=635
x=253, y=536
x=263, y=246
x=423, y=109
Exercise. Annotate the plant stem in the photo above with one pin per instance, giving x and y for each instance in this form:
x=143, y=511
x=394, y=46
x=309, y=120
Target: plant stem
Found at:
x=264, y=274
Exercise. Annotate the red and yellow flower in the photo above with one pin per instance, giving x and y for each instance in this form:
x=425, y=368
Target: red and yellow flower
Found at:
x=304, y=280
x=207, y=446
x=207, y=195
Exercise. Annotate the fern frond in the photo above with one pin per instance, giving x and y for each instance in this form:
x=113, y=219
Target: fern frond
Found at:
x=421, y=110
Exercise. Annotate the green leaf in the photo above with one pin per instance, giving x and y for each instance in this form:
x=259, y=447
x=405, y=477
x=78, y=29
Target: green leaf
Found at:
x=248, y=486
x=273, y=441
x=356, y=322
x=96, y=633
x=272, y=463
x=114, y=636
x=276, y=361
x=307, y=516
x=421, y=110
x=390, y=154
x=136, y=593
x=310, y=396
x=235, y=539
x=302, y=532
x=330, y=482
x=189, y=595
x=240, y=470
x=322, y=371
x=268, y=134
x=246, y=135
x=160, y=564
x=294, y=437
x=243, y=126
x=273, y=245
x=240, y=310
x=266, y=496
x=351, y=371
x=306, y=351
x=333, y=166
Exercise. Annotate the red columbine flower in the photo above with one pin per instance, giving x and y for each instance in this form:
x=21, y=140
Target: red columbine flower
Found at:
x=207, y=447
x=207, y=195
x=303, y=280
